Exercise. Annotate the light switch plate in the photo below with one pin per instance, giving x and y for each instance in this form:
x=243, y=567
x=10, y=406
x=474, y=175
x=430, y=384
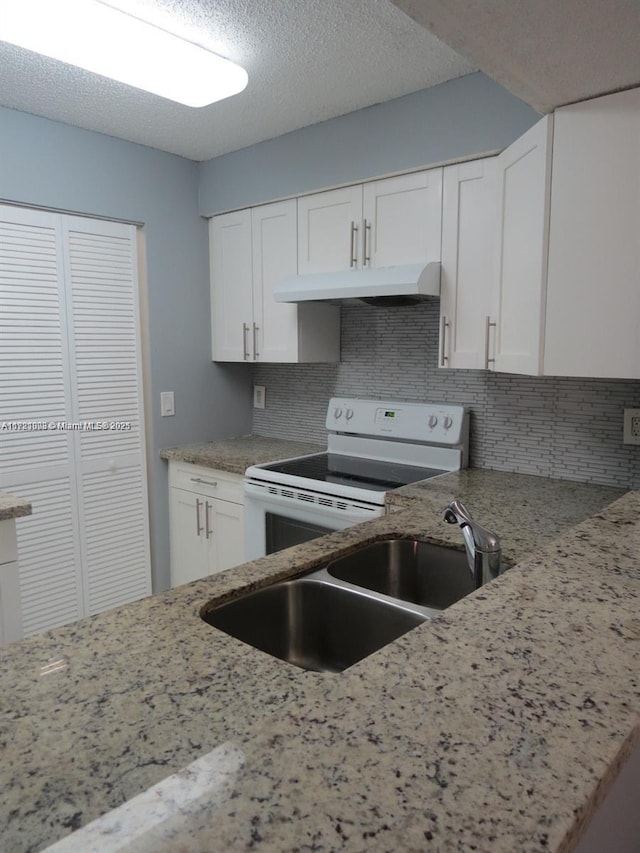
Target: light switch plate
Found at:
x=259, y=396
x=631, y=426
x=167, y=404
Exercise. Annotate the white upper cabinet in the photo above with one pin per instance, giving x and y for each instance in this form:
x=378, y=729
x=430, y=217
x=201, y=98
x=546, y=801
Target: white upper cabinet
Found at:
x=593, y=295
x=252, y=252
x=402, y=220
x=516, y=325
x=381, y=223
x=231, y=285
x=468, y=255
x=328, y=230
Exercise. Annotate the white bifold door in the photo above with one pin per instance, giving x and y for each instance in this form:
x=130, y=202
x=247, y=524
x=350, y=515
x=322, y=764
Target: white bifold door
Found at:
x=71, y=413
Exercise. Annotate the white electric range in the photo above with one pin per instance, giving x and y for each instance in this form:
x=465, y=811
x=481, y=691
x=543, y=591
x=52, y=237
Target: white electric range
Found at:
x=373, y=446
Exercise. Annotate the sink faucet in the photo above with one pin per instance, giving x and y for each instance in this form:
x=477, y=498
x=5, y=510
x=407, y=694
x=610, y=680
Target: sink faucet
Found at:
x=483, y=546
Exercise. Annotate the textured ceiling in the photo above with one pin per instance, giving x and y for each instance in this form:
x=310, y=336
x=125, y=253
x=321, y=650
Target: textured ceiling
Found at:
x=307, y=60
x=547, y=52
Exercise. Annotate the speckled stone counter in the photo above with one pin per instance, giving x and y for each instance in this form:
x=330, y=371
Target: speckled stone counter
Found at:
x=237, y=454
x=497, y=726
x=526, y=511
x=12, y=507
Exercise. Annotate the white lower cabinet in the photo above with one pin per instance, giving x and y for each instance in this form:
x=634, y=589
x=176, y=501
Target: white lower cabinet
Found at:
x=207, y=521
x=10, y=603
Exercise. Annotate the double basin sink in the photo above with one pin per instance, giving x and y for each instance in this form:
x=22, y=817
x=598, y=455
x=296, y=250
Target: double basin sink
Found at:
x=333, y=617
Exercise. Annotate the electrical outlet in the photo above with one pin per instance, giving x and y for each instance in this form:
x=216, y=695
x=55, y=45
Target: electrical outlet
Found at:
x=259, y=396
x=631, y=426
x=167, y=404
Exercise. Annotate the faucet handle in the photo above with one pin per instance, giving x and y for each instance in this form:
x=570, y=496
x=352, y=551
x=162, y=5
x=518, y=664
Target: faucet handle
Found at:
x=456, y=513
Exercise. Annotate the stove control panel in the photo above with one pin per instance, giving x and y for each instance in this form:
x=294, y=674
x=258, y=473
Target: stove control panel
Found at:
x=432, y=423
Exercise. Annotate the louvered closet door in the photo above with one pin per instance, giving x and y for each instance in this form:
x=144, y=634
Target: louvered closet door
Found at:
x=69, y=354
x=102, y=302
x=37, y=463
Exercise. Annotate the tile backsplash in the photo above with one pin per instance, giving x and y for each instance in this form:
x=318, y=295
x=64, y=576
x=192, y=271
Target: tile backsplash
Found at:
x=551, y=426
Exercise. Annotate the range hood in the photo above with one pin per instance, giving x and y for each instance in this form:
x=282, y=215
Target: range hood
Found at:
x=399, y=285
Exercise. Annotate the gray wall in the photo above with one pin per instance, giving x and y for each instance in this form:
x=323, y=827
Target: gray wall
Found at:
x=468, y=116
x=48, y=164
x=549, y=426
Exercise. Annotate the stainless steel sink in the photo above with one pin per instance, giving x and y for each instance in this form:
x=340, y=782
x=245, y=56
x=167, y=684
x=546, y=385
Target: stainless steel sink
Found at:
x=314, y=623
x=333, y=617
x=419, y=572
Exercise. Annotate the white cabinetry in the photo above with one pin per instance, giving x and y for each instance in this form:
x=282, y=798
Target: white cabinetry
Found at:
x=10, y=603
x=378, y=224
x=468, y=263
x=252, y=251
x=518, y=310
x=593, y=290
x=207, y=521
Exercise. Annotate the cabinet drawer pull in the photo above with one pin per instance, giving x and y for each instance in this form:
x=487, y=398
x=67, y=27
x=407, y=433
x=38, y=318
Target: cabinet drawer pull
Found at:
x=353, y=260
x=245, y=349
x=255, y=340
x=213, y=483
x=366, y=244
x=487, y=331
x=443, y=336
x=207, y=507
x=198, y=525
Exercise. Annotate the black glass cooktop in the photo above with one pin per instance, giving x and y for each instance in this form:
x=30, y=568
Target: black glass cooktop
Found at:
x=352, y=471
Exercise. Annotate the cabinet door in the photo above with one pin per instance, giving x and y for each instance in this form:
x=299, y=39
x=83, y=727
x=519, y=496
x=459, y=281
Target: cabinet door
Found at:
x=274, y=237
x=468, y=241
x=224, y=525
x=524, y=180
x=189, y=547
x=329, y=226
x=402, y=220
x=231, y=286
x=593, y=291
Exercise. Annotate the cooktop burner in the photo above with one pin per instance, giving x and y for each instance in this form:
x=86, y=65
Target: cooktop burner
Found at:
x=371, y=474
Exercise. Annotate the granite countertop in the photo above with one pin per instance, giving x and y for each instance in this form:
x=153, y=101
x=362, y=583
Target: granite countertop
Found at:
x=13, y=507
x=237, y=454
x=497, y=726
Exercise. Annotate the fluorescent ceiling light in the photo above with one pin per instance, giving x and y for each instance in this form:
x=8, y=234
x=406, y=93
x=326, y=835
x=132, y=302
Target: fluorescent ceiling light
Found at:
x=99, y=38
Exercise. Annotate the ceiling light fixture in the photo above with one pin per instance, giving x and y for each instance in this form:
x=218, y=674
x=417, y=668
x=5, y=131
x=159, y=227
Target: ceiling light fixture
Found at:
x=106, y=41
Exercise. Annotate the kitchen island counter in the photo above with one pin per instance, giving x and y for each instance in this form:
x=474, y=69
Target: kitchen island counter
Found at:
x=499, y=724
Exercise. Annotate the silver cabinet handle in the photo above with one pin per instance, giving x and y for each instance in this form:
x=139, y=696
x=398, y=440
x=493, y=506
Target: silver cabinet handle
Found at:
x=487, y=331
x=245, y=350
x=213, y=483
x=366, y=244
x=207, y=507
x=443, y=336
x=353, y=260
x=255, y=341
x=198, y=525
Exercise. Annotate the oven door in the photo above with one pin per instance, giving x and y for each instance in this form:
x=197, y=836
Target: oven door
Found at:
x=276, y=516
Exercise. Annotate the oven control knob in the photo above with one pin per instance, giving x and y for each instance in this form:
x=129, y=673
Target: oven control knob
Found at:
x=433, y=420
x=337, y=413
x=349, y=414
x=448, y=422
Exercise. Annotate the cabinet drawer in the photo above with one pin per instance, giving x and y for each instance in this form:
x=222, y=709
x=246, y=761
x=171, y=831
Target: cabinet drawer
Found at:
x=210, y=482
